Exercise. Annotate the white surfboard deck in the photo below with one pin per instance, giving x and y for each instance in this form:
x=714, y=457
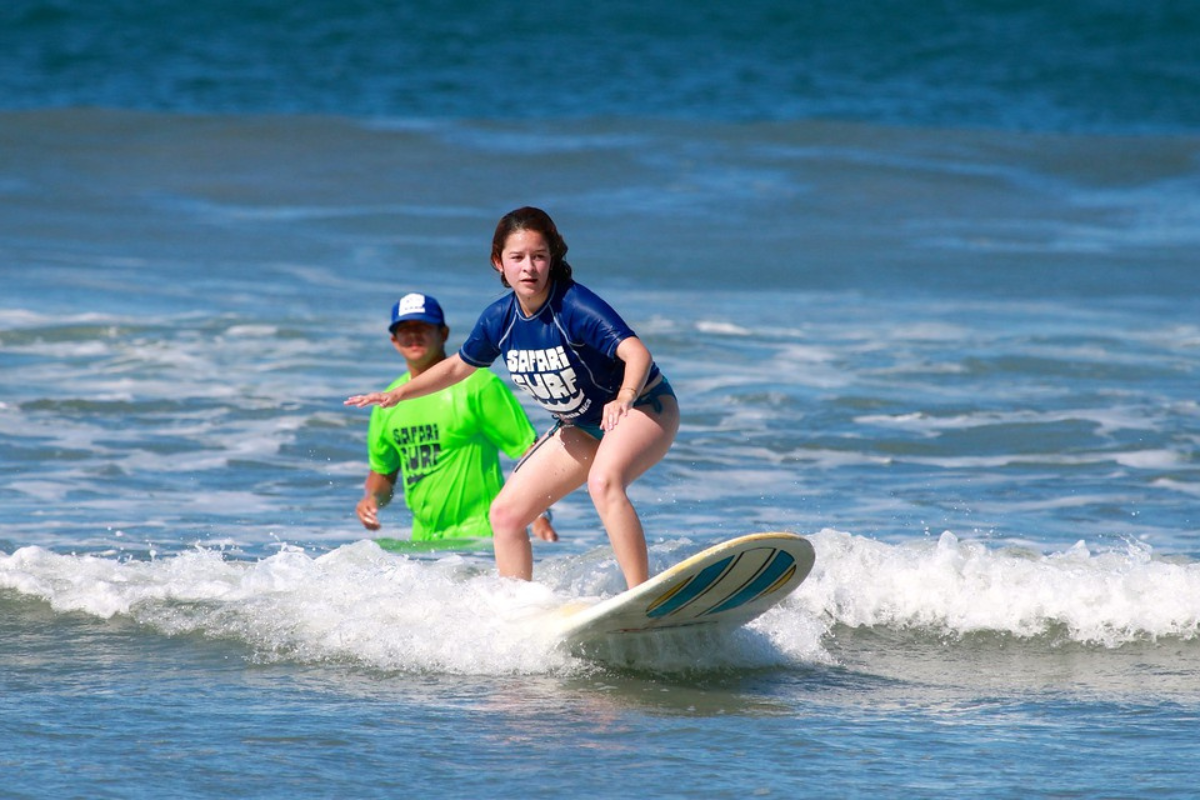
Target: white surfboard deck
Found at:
x=728, y=584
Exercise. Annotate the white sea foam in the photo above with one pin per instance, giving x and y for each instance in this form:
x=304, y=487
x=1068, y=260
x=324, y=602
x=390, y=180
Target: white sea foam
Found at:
x=960, y=587
x=17, y=318
x=721, y=328
x=358, y=604
x=1185, y=487
x=1106, y=419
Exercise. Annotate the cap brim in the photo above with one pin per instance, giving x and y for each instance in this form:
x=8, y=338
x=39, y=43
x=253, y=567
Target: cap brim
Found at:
x=416, y=318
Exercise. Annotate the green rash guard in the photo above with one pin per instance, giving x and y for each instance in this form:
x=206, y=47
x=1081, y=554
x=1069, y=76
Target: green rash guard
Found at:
x=445, y=447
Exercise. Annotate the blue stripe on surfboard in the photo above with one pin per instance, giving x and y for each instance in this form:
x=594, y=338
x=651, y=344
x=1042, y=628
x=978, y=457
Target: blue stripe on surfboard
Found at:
x=689, y=591
x=768, y=579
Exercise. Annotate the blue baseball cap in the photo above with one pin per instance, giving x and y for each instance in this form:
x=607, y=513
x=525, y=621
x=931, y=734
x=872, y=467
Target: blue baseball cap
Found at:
x=418, y=307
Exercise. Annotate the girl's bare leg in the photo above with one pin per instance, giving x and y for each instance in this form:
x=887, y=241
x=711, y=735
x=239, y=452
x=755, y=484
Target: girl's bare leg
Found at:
x=557, y=468
x=639, y=441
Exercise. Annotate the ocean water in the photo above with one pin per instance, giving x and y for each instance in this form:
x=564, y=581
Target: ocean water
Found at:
x=923, y=275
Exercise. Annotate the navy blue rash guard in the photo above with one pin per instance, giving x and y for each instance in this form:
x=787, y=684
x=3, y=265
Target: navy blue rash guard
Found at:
x=564, y=355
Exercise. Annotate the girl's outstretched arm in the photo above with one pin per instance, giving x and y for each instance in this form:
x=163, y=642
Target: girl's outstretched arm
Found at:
x=442, y=374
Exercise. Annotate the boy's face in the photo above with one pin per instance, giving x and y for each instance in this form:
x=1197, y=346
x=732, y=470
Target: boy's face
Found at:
x=420, y=343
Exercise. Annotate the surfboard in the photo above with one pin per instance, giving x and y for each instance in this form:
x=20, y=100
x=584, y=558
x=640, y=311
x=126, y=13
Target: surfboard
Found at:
x=726, y=585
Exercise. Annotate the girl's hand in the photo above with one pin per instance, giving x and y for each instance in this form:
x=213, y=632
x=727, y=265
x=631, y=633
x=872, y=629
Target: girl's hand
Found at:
x=382, y=399
x=616, y=409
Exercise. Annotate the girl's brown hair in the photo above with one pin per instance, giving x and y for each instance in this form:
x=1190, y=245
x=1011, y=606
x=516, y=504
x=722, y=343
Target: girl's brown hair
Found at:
x=529, y=218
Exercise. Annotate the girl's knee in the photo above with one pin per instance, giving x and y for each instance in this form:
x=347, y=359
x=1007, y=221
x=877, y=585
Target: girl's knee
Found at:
x=604, y=486
x=504, y=519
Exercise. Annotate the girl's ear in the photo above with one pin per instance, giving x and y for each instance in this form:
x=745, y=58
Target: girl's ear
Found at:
x=500, y=271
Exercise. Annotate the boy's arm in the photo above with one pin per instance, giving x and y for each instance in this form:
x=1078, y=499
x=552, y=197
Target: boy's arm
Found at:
x=378, y=492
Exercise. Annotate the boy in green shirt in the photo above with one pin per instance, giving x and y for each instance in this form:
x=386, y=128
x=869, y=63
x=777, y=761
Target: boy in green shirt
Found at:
x=445, y=445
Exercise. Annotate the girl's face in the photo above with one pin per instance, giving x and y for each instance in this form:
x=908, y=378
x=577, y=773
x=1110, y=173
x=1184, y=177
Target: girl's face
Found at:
x=525, y=264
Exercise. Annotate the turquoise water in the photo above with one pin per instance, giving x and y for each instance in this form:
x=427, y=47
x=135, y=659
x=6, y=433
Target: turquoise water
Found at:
x=927, y=297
